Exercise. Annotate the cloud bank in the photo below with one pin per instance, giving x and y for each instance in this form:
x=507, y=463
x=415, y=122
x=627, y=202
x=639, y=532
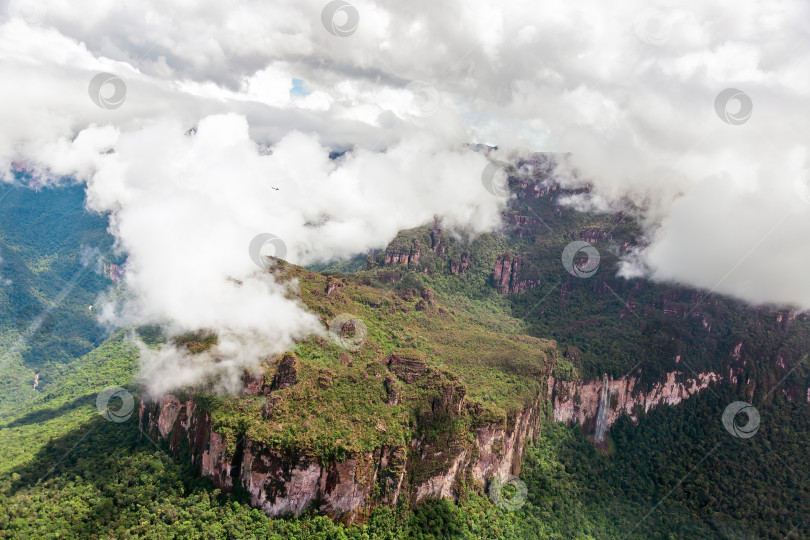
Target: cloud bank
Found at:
x=638, y=94
x=187, y=214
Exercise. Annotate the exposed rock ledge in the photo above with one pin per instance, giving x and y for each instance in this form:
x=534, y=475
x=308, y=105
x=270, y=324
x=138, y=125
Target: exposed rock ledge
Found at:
x=578, y=401
x=282, y=484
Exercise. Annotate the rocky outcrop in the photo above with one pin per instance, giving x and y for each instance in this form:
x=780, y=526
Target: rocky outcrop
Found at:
x=501, y=451
x=439, y=248
x=496, y=450
x=289, y=482
x=287, y=372
x=282, y=484
x=389, y=277
x=253, y=384
x=332, y=284
x=407, y=257
x=407, y=364
x=524, y=225
x=325, y=379
x=510, y=276
x=461, y=266
x=579, y=401
x=113, y=272
x=594, y=234
x=392, y=390
x=279, y=483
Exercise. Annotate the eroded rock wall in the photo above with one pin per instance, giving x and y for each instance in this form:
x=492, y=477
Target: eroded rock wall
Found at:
x=282, y=483
x=578, y=401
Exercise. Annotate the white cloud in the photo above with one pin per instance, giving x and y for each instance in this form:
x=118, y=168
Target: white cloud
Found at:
x=628, y=91
x=187, y=215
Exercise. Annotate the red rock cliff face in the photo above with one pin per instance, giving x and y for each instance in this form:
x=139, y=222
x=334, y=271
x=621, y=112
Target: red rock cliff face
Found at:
x=278, y=483
x=508, y=275
x=407, y=258
x=281, y=483
x=578, y=401
x=461, y=266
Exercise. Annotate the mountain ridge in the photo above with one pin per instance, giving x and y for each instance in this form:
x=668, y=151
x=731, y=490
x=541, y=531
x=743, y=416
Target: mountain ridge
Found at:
x=456, y=358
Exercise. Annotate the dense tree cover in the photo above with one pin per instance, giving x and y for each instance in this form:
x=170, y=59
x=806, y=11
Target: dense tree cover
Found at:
x=103, y=481
x=65, y=472
x=68, y=403
x=340, y=403
x=619, y=325
x=669, y=477
x=52, y=254
x=677, y=474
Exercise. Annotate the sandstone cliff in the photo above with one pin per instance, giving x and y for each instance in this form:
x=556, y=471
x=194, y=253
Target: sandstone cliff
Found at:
x=583, y=402
x=284, y=482
x=512, y=274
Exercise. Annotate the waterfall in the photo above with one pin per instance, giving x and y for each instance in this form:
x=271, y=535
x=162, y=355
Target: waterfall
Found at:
x=603, y=412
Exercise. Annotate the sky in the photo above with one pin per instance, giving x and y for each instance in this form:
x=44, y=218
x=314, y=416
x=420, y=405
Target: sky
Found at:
x=198, y=125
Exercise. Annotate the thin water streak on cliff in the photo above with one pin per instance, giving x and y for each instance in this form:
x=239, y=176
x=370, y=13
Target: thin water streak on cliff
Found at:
x=589, y=402
x=603, y=412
